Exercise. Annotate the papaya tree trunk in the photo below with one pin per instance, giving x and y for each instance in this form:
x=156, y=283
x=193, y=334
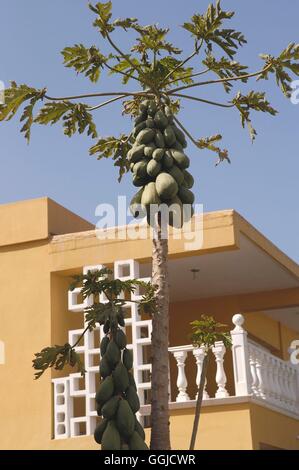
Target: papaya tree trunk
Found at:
x=199, y=402
x=160, y=434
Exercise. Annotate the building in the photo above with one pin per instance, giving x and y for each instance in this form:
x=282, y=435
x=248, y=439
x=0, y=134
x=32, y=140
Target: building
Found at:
x=252, y=392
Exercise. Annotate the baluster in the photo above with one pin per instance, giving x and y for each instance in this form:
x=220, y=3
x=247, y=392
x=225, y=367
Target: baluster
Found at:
x=182, y=383
x=254, y=378
x=259, y=373
x=280, y=382
x=271, y=382
x=276, y=380
x=199, y=354
x=219, y=351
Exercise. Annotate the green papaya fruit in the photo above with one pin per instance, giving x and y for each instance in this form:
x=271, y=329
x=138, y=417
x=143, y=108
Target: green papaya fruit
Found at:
x=133, y=399
x=169, y=136
x=178, y=146
x=136, y=442
x=109, y=409
x=159, y=139
x=137, y=153
x=99, y=430
x=106, y=390
x=152, y=108
x=188, y=180
x=150, y=195
x=135, y=206
x=125, y=419
x=139, y=429
x=104, y=343
x=112, y=353
x=105, y=368
x=186, y=196
x=120, y=339
x=106, y=327
x=150, y=123
x=111, y=437
x=153, y=168
x=145, y=136
x=180, y=136
x=138, y=181
x=141, y=117
x=143, y=106
x=176, y=214
x=166, y=186
x=149, y=149
x=99, y=407
x=132, y=380
x=177, y=174
x=121, y=319
x=132, y=166
x=128, y=359
x=168, y=114
x=181, y=159
x=120, y=377
x=160, y=120
x=158, y=154
x=138, y=128
x=167, y=160
x=140, y=168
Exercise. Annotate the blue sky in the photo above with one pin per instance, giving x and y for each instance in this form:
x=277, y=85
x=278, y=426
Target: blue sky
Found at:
x=261, y=183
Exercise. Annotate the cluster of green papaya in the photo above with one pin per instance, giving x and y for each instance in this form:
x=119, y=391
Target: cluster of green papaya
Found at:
x=158, y=161
x=117, y=399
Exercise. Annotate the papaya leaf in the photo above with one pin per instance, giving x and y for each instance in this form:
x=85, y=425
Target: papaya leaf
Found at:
x=57, y=357
x=126, y=66
x=254, y=100
x=104, y=14
x=115, y=148
x=206, y=331
x=126, y=23
x=178, y=74
x=208, y=28
x=152, y=39
x=208, y=143
x=84, y=60
x=225, y=68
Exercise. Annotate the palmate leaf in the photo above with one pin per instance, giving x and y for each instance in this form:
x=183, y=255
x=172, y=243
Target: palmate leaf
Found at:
x=254, y=100
x=57, y=357
x=152, y=39
x=208, y=28
x=76, y=117
x=225, y=68
x=209, y=143
x=115, y=148
x=281, y=66
x=180, y=74
x=84, y=60
x=125, y=66
x=207, y=331
x=104, y=14
x=15, y=96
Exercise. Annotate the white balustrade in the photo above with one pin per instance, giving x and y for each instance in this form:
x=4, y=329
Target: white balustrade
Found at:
x=199, y=354
x=219, y=351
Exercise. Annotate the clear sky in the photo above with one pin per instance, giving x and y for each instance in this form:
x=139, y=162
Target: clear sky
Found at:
x=262, y=181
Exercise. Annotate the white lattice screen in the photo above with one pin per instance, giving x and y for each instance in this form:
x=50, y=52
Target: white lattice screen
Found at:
x=68, y=391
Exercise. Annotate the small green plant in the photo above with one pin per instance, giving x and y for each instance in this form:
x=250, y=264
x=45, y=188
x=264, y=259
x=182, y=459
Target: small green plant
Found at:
x=205, y=332
x=117, y=399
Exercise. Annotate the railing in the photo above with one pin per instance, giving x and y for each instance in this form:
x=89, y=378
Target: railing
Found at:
x=257, y=372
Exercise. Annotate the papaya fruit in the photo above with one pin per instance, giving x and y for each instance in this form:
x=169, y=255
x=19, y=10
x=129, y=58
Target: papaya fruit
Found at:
x=160, y=120
x=186, y=196
x=181, y=159
x=136, y=442
x=125, y=419
x=109, y=409
x=143, y=106
x=139, y=181
x=128, y=359
x=111, y=437
x=120, y=339
x=139, y=429
x=139, y=127
x=176, y=214
x=153, y=168
x=150, y=195
x=120, y=377
x=149, y=149
x=168, y=114
x=167, y=160
x=188, y=179
x=112, y=353
x=104, y=343
x=145, y=136
x=135, y=205
x=180, y=136
x=178, y=146
x=152, y=108
x=105, y=368
x=169, y=136
x=121, y=319
x=139, y=168
x=159, y=139
x=132, y=380
x=150, y=122
x=136, y=153
x=106, y=390
x=133, y=399
x=177, y=174
x=158, y=154
x=106, y=327
x=99, y=407
x=166, y=186
x=99, y=430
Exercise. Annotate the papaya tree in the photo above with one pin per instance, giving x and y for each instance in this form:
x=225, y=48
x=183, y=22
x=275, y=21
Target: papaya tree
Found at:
x=116, y=398
x=205, y=333
x=154, y=150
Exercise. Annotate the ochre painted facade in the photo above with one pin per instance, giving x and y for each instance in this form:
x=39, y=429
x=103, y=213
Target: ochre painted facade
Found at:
x=42, y=245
